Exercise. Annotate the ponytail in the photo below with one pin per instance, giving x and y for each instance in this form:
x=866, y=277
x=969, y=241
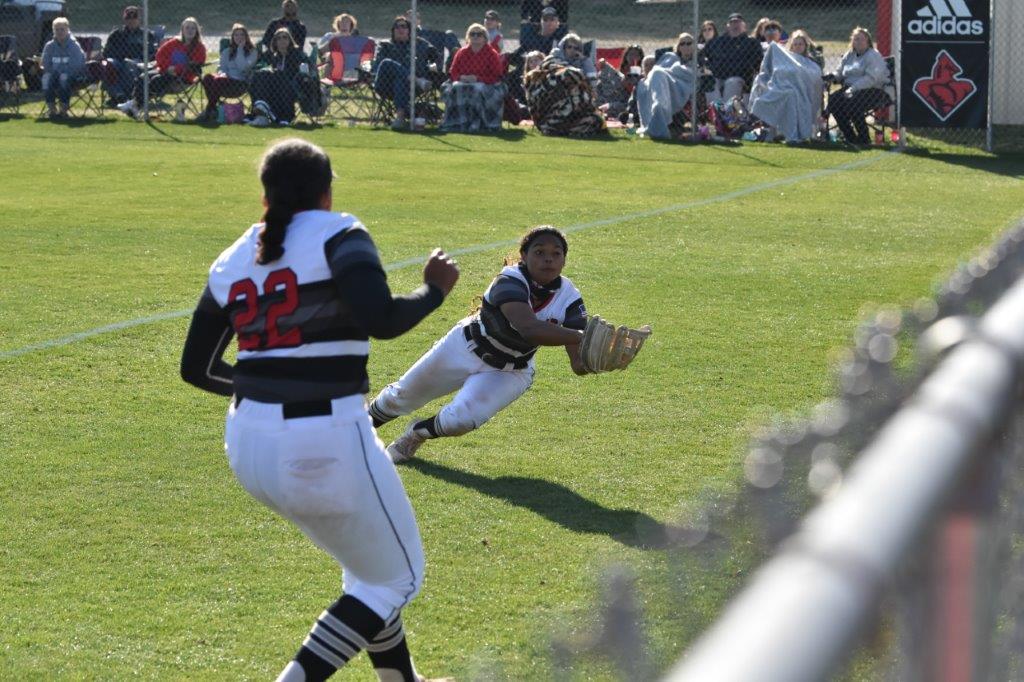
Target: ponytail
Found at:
x=295, y=175
x=271, y=237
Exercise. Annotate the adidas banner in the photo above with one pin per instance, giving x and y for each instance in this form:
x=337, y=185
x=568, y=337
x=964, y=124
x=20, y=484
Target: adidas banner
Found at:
x=944, y=75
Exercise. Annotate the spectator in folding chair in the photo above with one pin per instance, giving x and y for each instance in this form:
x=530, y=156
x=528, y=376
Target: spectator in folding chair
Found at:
x=546, y=39
x=474, y=98
x=734, y=58
x=289, y=19
x=616, y=85
x=561, y=100
x=786, y=94
x=344, y=26
x=570, y=52
x=667, y=89
x=179, y=61
x=232, y=79
x=63, y=64
x=10, y=66
x=392, y=65
x=123, y=54
x=492, y=22
x=862, y=75
x=282, y=83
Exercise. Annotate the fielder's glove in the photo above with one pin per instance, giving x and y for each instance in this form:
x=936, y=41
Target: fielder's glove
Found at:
x=605, y=347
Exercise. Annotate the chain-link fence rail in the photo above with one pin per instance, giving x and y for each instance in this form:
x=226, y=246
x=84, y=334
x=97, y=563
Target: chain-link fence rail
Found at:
x=888, y=526
x=693, y=69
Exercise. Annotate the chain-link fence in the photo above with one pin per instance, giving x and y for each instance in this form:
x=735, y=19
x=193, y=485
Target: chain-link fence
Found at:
x=908, y=565
x=694, y=69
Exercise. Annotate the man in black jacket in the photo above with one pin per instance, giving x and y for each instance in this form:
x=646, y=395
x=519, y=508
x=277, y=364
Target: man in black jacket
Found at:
x=290, y=20
x=734, y=58
x=123, y=52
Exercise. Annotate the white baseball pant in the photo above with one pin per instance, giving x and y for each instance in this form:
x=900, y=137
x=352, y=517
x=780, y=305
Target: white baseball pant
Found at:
x=330, y=476
x=450, y=365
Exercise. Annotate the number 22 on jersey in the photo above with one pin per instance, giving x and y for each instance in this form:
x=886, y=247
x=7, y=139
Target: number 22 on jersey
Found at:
x=277, y=281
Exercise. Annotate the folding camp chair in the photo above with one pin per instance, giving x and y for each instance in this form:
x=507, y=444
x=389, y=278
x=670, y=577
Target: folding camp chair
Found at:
x=880, y=120
x=612, y=55
x=181, y=97
x=225, y=45
x=10, y=71
x=347, y=80
x=89, y=92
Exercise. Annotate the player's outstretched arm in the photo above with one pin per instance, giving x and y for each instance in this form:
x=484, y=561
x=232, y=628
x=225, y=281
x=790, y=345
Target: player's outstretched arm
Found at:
x=385, y=316
x=201, y=359
x=537, y=332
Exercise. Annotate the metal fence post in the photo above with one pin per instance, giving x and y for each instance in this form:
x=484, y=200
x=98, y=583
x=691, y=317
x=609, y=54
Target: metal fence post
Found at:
x=413, y=20
x=145, y=60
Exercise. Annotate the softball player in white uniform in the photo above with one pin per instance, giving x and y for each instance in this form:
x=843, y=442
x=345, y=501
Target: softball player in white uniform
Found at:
x=303, y=293
x=488, y=357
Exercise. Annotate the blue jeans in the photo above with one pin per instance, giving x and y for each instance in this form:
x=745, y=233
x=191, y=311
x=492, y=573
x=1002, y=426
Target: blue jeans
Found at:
x=58, y=85
x=392, y=82
x=126, y=71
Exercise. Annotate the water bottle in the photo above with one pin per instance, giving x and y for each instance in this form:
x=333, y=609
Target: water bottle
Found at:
x=179, y=111
x=220, y=114
x=879, y=138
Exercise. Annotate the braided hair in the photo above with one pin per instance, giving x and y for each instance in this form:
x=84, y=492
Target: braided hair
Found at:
x=295, y=175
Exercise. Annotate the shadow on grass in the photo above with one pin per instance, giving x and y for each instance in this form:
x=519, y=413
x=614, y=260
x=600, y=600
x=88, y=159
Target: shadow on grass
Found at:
x=1008, y=164
x=567, y=508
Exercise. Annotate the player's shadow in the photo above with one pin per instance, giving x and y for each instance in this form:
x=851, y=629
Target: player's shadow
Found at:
x=567, y=508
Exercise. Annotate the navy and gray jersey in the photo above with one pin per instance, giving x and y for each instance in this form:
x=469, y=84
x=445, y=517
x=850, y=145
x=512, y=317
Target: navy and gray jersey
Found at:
x=495, y=339
x=303, y=322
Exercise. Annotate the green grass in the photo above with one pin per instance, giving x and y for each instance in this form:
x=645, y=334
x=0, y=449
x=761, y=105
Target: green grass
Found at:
x=128, y=548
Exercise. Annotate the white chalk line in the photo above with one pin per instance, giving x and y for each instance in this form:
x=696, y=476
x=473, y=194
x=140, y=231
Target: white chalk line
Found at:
x=477, y=248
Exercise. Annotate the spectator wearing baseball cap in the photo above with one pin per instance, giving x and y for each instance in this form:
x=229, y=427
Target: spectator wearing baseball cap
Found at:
x=734, y=58
x=492, y=22
x=123, y=54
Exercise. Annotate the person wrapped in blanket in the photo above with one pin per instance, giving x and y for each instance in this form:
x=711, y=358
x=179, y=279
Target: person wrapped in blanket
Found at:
x=787, y=92
x=666, y=90
x=475, y=96
x=561, y=100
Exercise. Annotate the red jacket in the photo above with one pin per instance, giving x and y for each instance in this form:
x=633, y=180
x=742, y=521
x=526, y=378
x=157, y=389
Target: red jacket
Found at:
x=174, y=53
x=486, y=65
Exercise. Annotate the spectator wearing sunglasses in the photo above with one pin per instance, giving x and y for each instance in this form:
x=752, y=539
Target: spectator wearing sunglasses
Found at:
x=667, y=89
x=392, y=65
x=570, y=53
x=474, y=98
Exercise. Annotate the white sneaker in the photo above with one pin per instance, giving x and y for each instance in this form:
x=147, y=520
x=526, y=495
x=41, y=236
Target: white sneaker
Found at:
x=128, y=107
x=405, y=446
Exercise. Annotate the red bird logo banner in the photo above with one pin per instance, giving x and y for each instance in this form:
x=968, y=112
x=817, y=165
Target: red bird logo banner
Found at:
x=943, y=92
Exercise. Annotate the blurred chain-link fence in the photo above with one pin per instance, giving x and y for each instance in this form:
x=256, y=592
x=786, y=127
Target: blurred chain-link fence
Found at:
x=691, y=69
x=888, y=526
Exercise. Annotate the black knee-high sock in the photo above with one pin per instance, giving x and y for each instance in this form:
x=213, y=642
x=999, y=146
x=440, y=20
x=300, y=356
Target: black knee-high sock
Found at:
x=389, y=651
x=340, y=632
x=429, y=425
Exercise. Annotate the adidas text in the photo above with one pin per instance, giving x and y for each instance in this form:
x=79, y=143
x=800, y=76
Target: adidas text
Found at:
x=934, y=26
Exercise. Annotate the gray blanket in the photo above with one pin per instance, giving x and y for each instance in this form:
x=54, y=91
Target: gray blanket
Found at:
x=787, y=93
x=665, y=90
